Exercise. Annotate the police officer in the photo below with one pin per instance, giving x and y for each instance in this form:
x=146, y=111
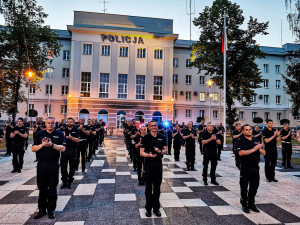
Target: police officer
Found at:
x=182, y=128
x=249, y=149
x=69, y=155
x=134, y=132
x=8, y=129
x=201, y=129
x=210, y=140
x=236, y=134
x=48, y=144
x=38, y=126
x=257, y=133
x=140, y=159
x=153, y=147
x=90, y=140
x=1, y=135
x=271, y=137
x=169, y=135
x=27, y=125
x=62, y=126
x=217, y=130
x=286, y=140
x=94, y=136
x=102, y=131
x=190, y=135
x=82, y=145
x=178, y=136
x=130, y=127
x=19, y=135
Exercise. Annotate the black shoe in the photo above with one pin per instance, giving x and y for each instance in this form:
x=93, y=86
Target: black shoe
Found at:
x=35, y=160
x=20, y=171
x=253, y=208
x=76, y=169
x=245, y=209
x=193, y=169
x=148, y=214
x=83, y=170
x=157, y=213
x=141, y=183
x=188, y=169
x=69, y=186
x=219, y=160
x=63, y=186
x=39, y=215
x=268, y=180
x=274, y=180
x=205, y=183
x=284, y=167
x=215, y=182
x=134, y=169
x=51, y=215
x=14, y=171
x=290, y=167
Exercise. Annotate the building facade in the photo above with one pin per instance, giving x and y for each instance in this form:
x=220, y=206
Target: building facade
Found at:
x=120, y=67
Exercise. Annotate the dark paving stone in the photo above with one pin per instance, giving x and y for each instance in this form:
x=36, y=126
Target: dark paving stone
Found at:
x=184, y=221
x=89, y=181
x=15, y=197
x=200, y=189
x=128, y=212
x=73, y=214
x=278, y=213
x=177, y=212
x=103, y=222
x=176, y=184
x=99, y=214
x=128, y=221
x=32, y=181
x=180, y=172
x=31, y=199
x=44, y=220
x=187, y=195
x=216, y=188
x=214, y=201
x=156, y=221
x=3, y=182
x=212, y=221
x=102, y=204
x=237, y=220
x=201, y=212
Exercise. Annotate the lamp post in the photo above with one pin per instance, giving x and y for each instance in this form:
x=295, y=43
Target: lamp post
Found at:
x=209, y=83
x=70, y=96
x=48, y=108
x=172, y=110
x=30, y=75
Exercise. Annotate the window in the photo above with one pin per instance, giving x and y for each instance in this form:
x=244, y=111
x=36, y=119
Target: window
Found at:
x=202, y=113
x=215, y=114
x=253, y=98
x=188, y=113
x=252, y=83
x=106, y=50
x=65, y=72
x=266, y=99
x=241, y=115
x=122, y=86
x=266, y=83
x=31, y=106
x=157, y=86
x=46, y=109
x=50, y=54
x=104, y=85
x=175, y=63
x=215, y=96
x=202, y=96
x=277, y=83
x=64, y=90
x=175, y=93
x=32, y=89
x=124, y=51
x=267, y=115
x=188, y=95
x=297, y=117
x=87, y=49
x=175, y=79
x=277, y=69
x=47, y=89
x=85, y=84
x=175, y=112
x=188, y=79
x=266, y=68
x=140, y=87
x=202, y=80
x=66, y=55
x=158, y=54
x=141, y=53
x=254, y=114
x=241, y=100
x=278, y=99
x=278, y=116
x=188, y=63
x=63, y=109
x=49, y=72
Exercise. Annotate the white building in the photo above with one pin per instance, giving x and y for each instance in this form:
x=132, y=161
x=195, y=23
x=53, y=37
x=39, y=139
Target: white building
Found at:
x=118, y=67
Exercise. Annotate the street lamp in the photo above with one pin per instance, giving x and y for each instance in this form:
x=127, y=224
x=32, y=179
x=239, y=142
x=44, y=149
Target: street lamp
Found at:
x=209, y=83
x=30, y=76
x=70, y=96
x=172, y=110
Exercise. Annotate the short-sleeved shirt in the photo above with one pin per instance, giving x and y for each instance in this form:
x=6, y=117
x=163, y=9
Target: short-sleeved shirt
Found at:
x=133, y=130
x=267, y=134
x=83, y=135
x=37, y=125
x=129, y=130
x=8, y=129
x=190, y=141
x=236, y=132
x=17, y=138
x=92, y=129
x=135, y=140
x=62, y=127
x=211, y=148
x=256, y=133
x=26, y=124
x=1, y=133
x=95, y=128
x=74, y=133
x=177, y=137
x=48, y=153
x=284, y=133
x=169, y=135
x=245, y=145
x=149, y=143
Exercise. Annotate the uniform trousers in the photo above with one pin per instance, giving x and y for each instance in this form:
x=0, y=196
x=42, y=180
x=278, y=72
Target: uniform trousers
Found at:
x=18, y=155
x=270, y=162
x=190, y=156
x=140, y=164
x=9, y=144
x=90, y=145
x=237, y=156
x=286, y=154
x=213, y=165
x=169, y=147
x=177, y=147
x=81, y=150
x=68, y=156
x=249, y=176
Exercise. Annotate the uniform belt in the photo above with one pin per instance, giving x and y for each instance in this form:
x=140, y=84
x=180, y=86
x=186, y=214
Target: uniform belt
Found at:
x=48, y=161
x=286, y=142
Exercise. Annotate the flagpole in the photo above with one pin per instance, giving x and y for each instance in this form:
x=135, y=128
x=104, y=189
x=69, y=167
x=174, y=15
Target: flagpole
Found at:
x=225, y=53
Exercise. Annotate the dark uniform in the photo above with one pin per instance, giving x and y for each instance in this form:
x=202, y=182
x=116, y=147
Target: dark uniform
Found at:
x=69, y=156
x=249, y=174
x=90, y=142
x=39, y=126
x=101, y=133
x=94, y=139
x=271, y=154
x=220, y=147
x=27, y=125
x=62, y=127
x=140, y=159
x=1, y=133
x=97, y=126
x=177, y=144
x=18, y=148
x=169, y=135
x=234, y=144
x=133, y=149
x=48, y=170
x=256, y=133
x=153, y=169
x=210, y=153
x=190, y=148
x=286, y=148
x=81, y=148
x=9, y=141
x=201, y=127
x=129, y=143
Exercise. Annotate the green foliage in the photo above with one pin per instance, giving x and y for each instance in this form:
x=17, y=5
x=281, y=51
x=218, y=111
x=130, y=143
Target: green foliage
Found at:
x=23, y=20
x=283, y=121
x=257, y=120
x=241, y=55
x=199, y=119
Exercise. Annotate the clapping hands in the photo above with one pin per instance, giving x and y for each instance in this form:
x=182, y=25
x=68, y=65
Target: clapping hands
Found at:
x=46, y=142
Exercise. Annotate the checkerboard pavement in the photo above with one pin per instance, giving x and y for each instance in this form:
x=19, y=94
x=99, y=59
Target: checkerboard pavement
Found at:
x=108, y=193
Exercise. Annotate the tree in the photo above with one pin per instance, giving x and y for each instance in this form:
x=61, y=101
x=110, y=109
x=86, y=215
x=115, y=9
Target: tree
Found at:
x=32, y=113
x=293, y=17
x=199, y=119
x=257, y=120
x=283, y=121
x=24, y=45
x=243, y=75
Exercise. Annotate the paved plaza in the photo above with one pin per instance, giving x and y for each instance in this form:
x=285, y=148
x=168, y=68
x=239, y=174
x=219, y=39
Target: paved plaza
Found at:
x=108, y=193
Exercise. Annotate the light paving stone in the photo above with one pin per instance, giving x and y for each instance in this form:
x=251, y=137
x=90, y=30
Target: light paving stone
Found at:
x=226, y=194
x=35, y=193
x=78, y=177
x=121, y=159
x=106, y=181
x=135, y=177
x=15, y=218
x=25, y=208
x=62, y=201
x=193, y=202
x=85, y=189
x=181, y=189
x=171, y=203
x=193, y=184
x=4, y=208
x=97, y=163
x=125, y=197
x=143, y=214
x=123, y=173
x=26, y=187
x=168, y=196
x=108, y=170
x=224, y=210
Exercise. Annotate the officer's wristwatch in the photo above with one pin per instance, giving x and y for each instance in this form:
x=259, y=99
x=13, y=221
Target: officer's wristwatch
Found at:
x=52, y=145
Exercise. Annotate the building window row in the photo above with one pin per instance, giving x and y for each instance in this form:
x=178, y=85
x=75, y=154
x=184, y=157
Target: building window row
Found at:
x=266, y=68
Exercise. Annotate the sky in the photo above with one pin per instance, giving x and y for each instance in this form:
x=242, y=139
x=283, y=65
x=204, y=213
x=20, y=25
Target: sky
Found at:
x=61, y=13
